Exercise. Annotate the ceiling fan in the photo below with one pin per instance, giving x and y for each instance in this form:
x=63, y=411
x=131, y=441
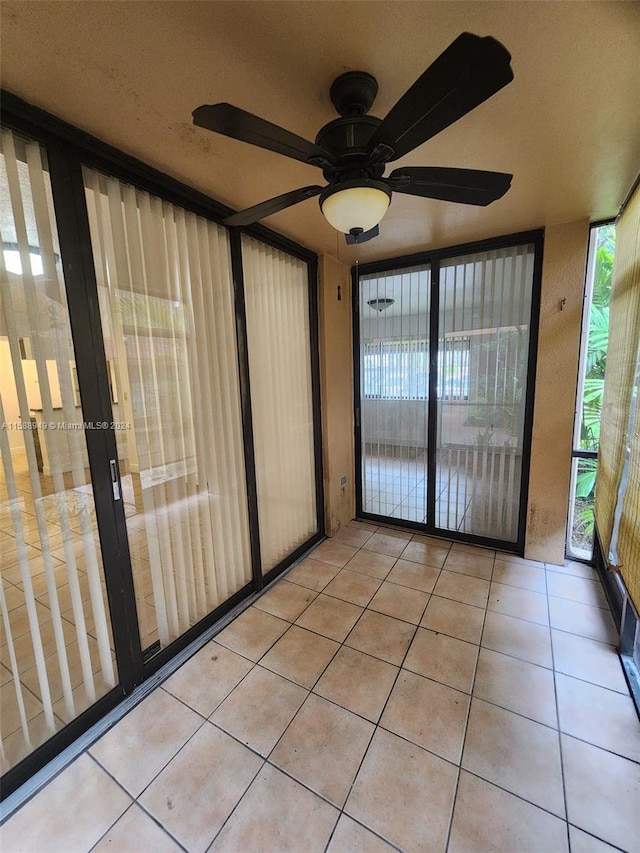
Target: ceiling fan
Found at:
x=353, y=150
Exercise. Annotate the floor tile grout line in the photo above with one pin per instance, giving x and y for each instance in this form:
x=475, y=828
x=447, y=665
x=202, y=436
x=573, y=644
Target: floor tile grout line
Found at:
x=132, y=805
x=203, y=720
x=597, y=838
x=466, y=726
x=560, y=750
x=240, y=799
x=377, y=725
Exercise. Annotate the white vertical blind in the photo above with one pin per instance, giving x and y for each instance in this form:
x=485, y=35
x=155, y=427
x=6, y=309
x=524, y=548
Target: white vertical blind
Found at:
x=277, y=305
x=394, y=381
x=485, y=308
x=166, y=298
x=55, y=632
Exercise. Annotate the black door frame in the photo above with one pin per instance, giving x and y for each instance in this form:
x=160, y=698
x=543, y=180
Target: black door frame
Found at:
x=432, y=259
x=68, y=149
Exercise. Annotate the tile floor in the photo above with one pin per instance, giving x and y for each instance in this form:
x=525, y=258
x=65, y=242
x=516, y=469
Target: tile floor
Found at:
x=477, y=490
x=392, y=692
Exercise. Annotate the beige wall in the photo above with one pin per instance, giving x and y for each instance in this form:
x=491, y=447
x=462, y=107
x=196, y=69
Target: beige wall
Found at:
x=563, y=271
x=336, y=378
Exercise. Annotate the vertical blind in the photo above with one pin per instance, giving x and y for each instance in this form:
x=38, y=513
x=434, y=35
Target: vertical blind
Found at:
x=618, y=474
x=167, y=311
x=278, y=332
x=55, y=653
x=394, y=381
x=485, y=301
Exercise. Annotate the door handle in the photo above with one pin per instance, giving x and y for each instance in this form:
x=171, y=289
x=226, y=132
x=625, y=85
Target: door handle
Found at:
x=115, y=480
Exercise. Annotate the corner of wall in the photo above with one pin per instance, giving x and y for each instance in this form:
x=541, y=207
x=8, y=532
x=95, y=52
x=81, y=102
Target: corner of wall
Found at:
x=336, y=386
x=562, y=297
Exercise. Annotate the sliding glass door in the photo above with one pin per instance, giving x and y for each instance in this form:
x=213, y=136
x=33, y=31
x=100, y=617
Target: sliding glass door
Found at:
x=160, y=445
x=56, y=643
x=166, y=307
x=444, y=350
x=394, y=369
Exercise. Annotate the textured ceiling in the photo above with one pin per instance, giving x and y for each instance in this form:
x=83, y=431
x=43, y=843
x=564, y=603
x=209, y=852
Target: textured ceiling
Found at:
x=132, y=72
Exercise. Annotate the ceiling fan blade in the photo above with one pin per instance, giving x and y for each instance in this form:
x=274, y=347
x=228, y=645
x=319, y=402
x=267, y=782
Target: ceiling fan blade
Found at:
x=469, y=71
x=353, y=239
x=247, y=127
x=272, y=205
x=466, y=186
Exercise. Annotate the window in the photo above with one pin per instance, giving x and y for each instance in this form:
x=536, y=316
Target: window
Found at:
x=593, y=359
x=399, y=370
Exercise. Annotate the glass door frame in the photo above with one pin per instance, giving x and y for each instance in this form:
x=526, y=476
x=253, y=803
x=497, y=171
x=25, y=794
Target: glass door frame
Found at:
x=433, y=259
x=68, y=149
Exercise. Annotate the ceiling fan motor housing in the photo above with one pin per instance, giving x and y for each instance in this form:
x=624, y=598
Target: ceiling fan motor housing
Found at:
x=353, y=93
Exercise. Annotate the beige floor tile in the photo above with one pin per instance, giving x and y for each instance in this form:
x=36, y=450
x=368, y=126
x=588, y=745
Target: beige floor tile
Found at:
x=582, y=619
x=352, y=536
x=382, y=543
x=252, y=633
x=208, y=678
x=517, y=637
x=442, y=658
x=11, y=710
x=323, y=748
x=54, y=678
x=487, y=818
x=393, y=787
x=136, y=749
x=300, y=656
x=260, y=709
x=581, y=842
x=584, y=590
x=589, y=660
x=135, y=827
x=277, y=815
x=46, y=822
x=521, y=603
x=600, y=716
x=454, y=618
x=577, y=570
x=470, y=563
x=462, y=588
x=313, y=574
x=525, y=577
x=334, y=553
x=358, y=682
x=414, y=575
x=199, y=788
x=19, y=621
x=285, y=600
x=520, y=561
x=330, y=617
x=395, y=531
x=426, y=554
x=381, y=636
x=428, y=714
x=351, y=837
x=372, y=564
x=603, y=792
x=401, y=602
x=473, y=549
x=516, y=754
x=517, y=685
x=353, y=586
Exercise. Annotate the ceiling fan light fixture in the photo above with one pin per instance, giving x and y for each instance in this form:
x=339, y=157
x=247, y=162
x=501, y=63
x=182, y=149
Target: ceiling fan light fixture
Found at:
x=355, y=206
x=381, y=303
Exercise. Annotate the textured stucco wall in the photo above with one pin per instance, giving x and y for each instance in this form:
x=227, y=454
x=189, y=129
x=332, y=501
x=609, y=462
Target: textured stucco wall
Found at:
x=563, y=270
x=336, y=377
